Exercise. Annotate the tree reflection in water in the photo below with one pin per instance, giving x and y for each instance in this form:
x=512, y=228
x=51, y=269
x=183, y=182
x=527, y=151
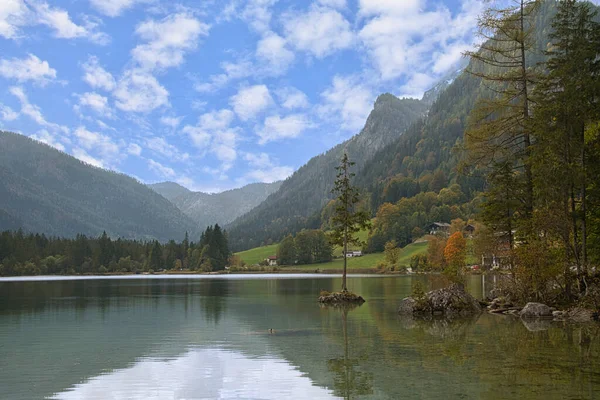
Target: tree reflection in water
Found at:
x=348, y=382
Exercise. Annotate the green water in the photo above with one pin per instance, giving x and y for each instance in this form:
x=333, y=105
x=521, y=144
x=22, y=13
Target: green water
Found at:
x=208, y=338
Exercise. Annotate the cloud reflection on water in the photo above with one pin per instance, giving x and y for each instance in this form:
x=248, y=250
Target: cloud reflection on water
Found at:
x=200, y=373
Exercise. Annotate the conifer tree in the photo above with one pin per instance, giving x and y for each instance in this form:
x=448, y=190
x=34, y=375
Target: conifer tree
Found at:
x=347, y=220
x=498, y=136
x=567, y=107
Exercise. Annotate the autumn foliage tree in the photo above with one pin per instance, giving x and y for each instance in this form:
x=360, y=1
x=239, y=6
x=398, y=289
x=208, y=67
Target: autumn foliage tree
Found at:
x=455, y=254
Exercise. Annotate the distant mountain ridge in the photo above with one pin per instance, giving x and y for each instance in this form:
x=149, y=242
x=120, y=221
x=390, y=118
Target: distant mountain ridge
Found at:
x=222, y=208
x=298, y=203
x=44, y=190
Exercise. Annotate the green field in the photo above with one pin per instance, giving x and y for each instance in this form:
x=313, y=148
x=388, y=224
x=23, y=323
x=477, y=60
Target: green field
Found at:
x=257, y=254
x=369, y=260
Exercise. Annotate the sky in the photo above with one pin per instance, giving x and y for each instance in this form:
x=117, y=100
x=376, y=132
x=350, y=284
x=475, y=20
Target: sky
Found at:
x=216, y=94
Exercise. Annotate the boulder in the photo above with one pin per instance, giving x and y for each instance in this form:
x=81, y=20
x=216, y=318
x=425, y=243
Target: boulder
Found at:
x=535, y=310
x=407, y=306
x=453, y=300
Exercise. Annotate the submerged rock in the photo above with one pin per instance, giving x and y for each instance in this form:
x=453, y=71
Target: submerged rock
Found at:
x=453, y=300
x=341, y=298
x=535, y=310
x=537, y=324
x=578, y=314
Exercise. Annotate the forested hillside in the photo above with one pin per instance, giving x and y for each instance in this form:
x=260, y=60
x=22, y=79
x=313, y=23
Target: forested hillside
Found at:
x=206, y=209
x=169, y=190
x=44, y=190
x=298, y=203
x=422, y=161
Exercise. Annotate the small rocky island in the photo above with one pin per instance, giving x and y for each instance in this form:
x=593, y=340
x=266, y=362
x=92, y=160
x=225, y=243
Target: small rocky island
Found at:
x=340, y=298
x=451, y=301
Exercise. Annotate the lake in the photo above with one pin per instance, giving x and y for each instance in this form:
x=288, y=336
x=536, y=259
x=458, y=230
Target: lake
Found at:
x=206, y=337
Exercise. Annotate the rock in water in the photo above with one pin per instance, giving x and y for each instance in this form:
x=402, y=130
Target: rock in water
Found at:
x=341, y=298
x=453, y=300
x=535, y=310
x=580, y=314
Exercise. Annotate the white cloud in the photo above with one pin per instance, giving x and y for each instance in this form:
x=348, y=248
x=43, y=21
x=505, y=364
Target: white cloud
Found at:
x=96, y=76
x=138, y=91
x=161, y=170
x=96, y=102
x=393, y=7
x=15, y=14
x=231, y=71
x=46, y=137
x=102, y=144
x=264, y=169
x=404, y=38
x=160, y=146
x=250, y=101
x=27, y=69
x=33, y=111
x=134, y=149
x=200, y=137
x=172, y=122
x=257, y=14
x=348, y=100
x=277, y=128
x=12, y=16
x=320, y=31
x=60, y=21
x=292, y=98
x=270, y=175
x=113, y=8
x=214, y=133
x=333, y=3
x=167, y=40
x=7, y=113
x=216, y=120
x=272, y=51
x=83, y=155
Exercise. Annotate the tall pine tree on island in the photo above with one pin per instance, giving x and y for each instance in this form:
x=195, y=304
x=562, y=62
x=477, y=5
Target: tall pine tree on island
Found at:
x=347, y=221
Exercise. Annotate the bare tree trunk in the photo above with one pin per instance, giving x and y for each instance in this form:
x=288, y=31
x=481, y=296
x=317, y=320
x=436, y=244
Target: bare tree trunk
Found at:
x=344, y=287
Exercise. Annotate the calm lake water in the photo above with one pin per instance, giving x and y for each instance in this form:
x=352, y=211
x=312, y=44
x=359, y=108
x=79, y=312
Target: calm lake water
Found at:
x=208, y=338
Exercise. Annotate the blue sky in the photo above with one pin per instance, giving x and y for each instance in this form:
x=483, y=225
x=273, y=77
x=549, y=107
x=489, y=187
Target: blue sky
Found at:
x=216, y=94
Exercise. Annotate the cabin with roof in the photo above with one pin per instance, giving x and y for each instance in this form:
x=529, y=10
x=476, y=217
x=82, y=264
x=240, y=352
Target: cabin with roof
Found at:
x=438, y=228
x=272, y=261
x=354, y=253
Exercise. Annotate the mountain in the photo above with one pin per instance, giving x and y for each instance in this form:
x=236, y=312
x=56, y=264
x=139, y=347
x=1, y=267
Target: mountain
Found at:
x=405, y=149
x=169, y=190
x=222, y=208
x=426, y=157
x=430, y=96
x=298, y=203
x=44, y=190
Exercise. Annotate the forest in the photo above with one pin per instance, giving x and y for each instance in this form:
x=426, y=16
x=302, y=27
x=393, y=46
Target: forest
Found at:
x=35, y=254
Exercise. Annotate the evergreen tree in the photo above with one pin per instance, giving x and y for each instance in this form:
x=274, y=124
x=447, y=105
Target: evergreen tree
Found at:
x=155, y=259
x=498, y=137
x=566, y=108
x=347, y=220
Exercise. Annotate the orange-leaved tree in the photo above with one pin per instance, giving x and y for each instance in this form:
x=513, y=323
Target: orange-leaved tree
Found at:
x=455, y=255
